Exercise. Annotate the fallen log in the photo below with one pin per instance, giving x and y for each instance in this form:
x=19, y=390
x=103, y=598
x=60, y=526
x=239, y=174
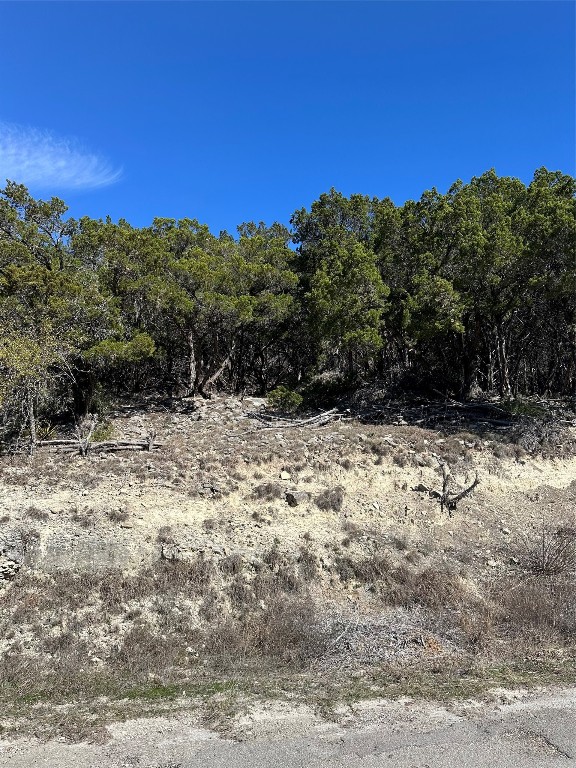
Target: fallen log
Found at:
x=108, y=446
x=314, y=421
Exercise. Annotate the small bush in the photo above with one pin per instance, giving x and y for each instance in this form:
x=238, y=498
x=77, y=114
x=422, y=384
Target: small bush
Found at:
x=437, y=588
x=37, y=514
x=165, y=535
x=267, y=491
x=103, y=432
x=232, y=565
x=541, y=603
x=284, y=399
x=292, y=630
x=240, y=592
x=307, y=564
x=331, y=498
x=117, y=515
x=553, y=552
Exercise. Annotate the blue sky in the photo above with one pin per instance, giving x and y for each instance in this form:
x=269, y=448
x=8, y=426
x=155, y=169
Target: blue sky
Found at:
x=228, y=112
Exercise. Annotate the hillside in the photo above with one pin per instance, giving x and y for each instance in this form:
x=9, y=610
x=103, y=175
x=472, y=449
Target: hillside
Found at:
x=245, y=558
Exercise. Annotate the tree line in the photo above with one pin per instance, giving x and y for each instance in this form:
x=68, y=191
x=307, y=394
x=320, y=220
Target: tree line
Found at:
x=469, y=291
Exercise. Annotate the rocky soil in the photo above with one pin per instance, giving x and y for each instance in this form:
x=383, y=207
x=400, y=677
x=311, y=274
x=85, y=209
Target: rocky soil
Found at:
x=316, y=550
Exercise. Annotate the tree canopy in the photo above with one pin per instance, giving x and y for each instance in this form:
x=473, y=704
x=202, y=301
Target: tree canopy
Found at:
x=471, y=290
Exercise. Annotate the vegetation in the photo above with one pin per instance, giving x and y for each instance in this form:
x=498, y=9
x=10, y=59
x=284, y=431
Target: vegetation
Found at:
x=470, y=290
x=191, y=631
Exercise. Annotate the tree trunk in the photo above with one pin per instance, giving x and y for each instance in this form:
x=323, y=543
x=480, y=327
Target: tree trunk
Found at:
x=192, y=367
x=31, y=418
x=505, y=388
x=469, y=370
x=211, y=380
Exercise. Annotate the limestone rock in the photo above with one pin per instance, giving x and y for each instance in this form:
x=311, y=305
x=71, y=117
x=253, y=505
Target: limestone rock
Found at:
x=12, y=549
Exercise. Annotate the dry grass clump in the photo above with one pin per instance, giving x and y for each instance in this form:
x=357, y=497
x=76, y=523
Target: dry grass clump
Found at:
x=552, y=551
x=289, y=630
x=380, y=448
x=401, y=585
x=84, y=518
x=144, y=652
x=117, y=515
x=267, y=491
x=367, y=571
x=37, y=514
x=330, y=499
x=402, y=458
x=542, y=605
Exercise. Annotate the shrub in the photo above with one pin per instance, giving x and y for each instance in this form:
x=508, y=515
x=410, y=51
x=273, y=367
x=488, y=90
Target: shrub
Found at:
x=331, y=498
x=117, y=515
x=284, y=399
x=37, y=514
x=103, y=432
x=541, y=603
x=268, y=491
x=553, y=552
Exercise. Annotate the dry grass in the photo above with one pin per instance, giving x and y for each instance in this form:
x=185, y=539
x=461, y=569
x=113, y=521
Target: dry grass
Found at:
x=37, y=514
x=552, y=551
x=542, y=606
x=331, y=499
x=117, y=515
x=403, y=585
x=267, y=491
x=267, y=607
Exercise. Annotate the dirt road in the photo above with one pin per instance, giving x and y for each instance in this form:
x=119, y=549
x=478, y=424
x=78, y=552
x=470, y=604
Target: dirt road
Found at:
x=519, y=731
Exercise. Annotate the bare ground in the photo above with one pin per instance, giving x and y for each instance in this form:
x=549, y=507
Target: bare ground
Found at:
x=134, y=577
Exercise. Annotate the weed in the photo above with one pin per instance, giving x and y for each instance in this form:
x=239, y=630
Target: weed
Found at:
x=553, y=552
x=117, y=515
x=541, y=603
x=330, y=499
x=268, y=491
x=232, y=565
x=37, y=514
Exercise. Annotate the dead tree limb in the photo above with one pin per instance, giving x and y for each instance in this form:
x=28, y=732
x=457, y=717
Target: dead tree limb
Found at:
x=84, y=430
x=449, y=499
x=314, y=421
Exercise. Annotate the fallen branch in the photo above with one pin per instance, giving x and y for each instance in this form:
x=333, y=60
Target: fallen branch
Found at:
x=108, y=446
x=314, y=421
x=448, y=498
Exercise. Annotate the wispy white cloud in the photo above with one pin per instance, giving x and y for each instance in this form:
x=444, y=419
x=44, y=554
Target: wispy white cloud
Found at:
x=39, y=158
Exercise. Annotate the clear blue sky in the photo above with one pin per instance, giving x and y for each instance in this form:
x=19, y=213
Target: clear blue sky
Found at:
x=229, y=112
